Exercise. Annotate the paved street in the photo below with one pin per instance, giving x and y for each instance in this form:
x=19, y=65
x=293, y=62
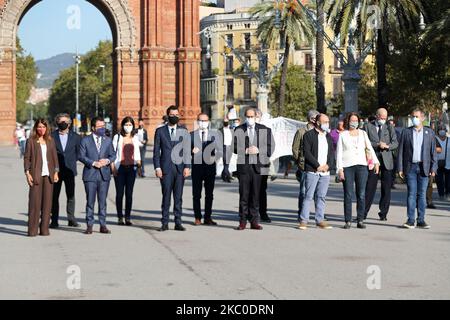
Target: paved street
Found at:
x=279, y=262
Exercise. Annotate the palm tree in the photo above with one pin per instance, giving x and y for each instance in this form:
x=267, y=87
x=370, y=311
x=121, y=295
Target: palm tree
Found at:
x=320, y=67
x=395, y=15
x=291, y=28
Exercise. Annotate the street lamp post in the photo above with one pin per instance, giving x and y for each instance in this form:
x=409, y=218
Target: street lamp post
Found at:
x=77, y=89
x=263, y=77
x=351, y=64
x=102, y=66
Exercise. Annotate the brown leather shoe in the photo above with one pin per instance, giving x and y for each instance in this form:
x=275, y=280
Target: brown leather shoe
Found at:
x=256, y=226
x=197, y=222
x=242, y=225
x=210, y=222
x=104, y=230
x=88, y=230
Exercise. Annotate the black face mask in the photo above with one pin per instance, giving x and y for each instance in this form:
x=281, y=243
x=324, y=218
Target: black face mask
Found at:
x=173, y=120
x=63, y=126
x=225, y=124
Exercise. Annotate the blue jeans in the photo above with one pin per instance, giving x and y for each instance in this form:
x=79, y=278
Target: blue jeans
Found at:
x=316, y=187
x=355, y=175
x=301, y=195
x=417, y=183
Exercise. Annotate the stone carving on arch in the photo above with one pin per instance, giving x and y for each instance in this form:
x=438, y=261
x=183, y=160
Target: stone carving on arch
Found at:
x=123, y=21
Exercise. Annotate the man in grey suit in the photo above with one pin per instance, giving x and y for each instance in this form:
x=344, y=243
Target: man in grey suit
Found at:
x=384, y=141
x=96, y=153
x=417, y=161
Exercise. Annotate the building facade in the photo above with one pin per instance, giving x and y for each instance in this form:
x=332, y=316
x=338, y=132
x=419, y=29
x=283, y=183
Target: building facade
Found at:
x=156, y=59
x=224, y=84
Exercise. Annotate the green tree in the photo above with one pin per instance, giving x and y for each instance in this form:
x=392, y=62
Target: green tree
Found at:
x=26, y=72
x=300, y=94
x=63, y=95
x=394, y=15
x=294, y=29
x=367, y=94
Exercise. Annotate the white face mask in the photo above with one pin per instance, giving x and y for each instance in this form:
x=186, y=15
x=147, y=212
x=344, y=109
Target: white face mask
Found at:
x=128, y=129
x=250, y=121
x=381, y=122
x=203, y=125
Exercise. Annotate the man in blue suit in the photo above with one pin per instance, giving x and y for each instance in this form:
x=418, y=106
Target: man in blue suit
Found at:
x=171, y=158
x=417, y=161
x=96, y=153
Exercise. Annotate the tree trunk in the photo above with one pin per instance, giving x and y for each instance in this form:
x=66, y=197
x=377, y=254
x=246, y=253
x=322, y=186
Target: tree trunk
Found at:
x=381, y=71
x=320, y=67
x=283, y=79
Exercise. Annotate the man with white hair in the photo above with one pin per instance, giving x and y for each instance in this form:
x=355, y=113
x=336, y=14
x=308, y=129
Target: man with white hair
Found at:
x=384, y=141
x=297, y=151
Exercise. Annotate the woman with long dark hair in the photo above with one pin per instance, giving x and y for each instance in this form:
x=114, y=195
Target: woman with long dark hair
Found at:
x=127, y=164
x=41, y=170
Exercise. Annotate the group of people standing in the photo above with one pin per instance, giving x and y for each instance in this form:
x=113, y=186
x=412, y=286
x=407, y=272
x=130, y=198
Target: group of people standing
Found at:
x=51, y=159
x=361, y=157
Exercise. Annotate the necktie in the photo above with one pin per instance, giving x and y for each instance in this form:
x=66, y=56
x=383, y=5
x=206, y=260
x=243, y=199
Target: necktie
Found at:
x=98, y=144
x=251, y=135
x=379, y=132
x=172, y=133
x=203, y=136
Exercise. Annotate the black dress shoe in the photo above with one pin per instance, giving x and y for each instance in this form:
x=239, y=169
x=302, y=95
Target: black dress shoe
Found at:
x=164, y=227
x=361, y=225
x=128, y=223
x=210, y=222
x=266, y=219
x=431, y=206
x=54, y=226
x=120, y=222
x=179, y=227
x=73, y=224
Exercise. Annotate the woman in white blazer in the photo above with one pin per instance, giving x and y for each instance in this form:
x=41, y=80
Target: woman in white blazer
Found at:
x=124, y=169
x=354, y=156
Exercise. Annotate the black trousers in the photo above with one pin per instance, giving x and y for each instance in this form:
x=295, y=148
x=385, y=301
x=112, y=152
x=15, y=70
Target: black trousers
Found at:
x=172, y=183
x=124, y=186
x=263, y=197
x=67, y=177
x=249, y=191
x=371, y=188
x=203, y=175
x=443, y=182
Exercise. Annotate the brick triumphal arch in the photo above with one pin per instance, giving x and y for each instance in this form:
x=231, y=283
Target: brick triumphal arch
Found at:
x=156, y=58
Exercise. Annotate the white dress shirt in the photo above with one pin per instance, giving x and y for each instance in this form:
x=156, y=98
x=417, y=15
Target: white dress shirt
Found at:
x=45, y=171
x=322, y=152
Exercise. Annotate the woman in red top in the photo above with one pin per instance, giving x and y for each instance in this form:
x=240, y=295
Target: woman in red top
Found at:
x=125, y=167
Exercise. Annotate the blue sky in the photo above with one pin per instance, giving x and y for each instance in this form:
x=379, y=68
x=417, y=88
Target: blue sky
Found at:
x=49, y=29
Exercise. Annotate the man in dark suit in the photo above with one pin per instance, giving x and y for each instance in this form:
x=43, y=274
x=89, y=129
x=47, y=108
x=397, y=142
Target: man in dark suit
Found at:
x=97, y=154
x=172, y=169
x=206, y=147
x=384, y=141
x=254, y=144
x=417, y=161
x=68, y=148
